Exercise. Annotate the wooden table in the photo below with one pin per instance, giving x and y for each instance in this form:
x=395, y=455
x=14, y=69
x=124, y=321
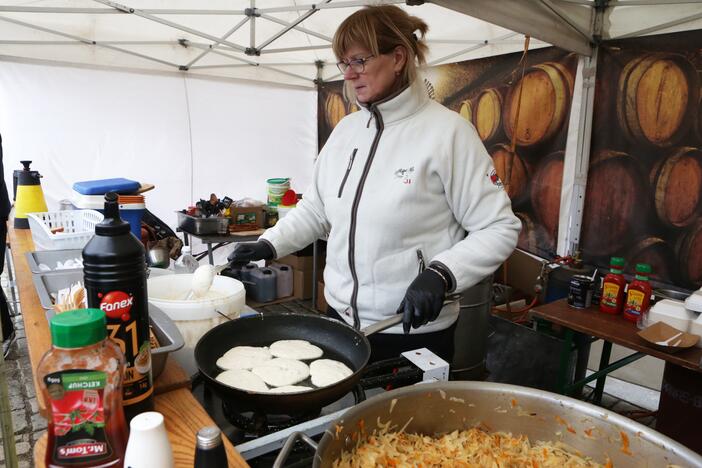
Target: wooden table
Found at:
x=182, y=413
x=613, y=329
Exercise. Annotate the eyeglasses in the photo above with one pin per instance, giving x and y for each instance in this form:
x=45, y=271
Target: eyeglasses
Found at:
x=357, y=65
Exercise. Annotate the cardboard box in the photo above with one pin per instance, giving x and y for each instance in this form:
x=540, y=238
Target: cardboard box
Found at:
x=298, y=263
x=321, y=301
x=302, y=284
x=248, y=215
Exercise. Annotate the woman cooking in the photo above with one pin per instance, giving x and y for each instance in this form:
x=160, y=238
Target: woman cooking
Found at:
x=403, y=189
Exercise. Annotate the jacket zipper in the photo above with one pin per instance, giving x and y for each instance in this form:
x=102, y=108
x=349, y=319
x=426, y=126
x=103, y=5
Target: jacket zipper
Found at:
x=420, y=259
x=348, y=170
x=354, y=212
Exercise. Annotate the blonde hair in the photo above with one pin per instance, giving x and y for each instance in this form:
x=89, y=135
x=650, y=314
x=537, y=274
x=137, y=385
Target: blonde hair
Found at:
x=380, y=29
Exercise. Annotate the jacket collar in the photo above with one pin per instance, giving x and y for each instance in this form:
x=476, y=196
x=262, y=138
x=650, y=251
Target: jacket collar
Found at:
x=401, y=104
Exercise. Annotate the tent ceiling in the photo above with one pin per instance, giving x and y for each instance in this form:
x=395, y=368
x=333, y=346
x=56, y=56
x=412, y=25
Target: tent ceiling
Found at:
x=285, y=39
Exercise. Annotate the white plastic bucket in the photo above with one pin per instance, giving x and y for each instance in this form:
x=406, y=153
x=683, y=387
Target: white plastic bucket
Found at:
x=195, y=317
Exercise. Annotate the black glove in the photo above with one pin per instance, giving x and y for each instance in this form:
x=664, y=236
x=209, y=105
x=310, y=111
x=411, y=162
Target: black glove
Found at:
x=246, y=252
x=423, y=300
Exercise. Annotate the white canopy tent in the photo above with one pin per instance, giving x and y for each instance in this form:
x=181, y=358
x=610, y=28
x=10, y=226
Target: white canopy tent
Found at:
x=198, y=87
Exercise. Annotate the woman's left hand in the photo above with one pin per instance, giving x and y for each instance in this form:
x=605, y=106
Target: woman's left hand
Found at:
x=423, y=300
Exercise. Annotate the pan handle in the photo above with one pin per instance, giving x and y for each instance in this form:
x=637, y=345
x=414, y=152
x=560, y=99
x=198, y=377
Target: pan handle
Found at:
x=397, y=318
x=288, y=446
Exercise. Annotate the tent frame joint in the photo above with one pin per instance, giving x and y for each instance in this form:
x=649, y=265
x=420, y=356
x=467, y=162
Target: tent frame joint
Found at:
x=252, y=12
x=252, y=51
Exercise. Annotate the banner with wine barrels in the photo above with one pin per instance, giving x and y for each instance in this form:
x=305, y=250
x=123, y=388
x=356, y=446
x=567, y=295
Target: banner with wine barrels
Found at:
x=644, y=189
x=520, y=107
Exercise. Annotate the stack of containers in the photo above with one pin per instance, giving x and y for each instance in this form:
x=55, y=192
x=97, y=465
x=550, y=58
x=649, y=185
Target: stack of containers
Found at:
x=694, y=304
x=90, y=195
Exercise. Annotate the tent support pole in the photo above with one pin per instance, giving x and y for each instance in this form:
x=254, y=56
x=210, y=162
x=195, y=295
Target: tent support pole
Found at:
x=216, y=43
x=296, y=27
x=471, y=49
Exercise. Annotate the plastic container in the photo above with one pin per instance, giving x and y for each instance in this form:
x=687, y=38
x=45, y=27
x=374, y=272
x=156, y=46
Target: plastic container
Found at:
x=284, y=210
x=195, y=317
x=245, y=276
x=694, y=301
x=132, y=209
x=284, y=284
x=77, y=227
x=102, y=186
x=51, y=258
x=202, y=226
x=673, y=313
x=612, y=298
x=265, y=285
x=276, y=189
x=114, y=274
x=638, y=295
x=186, y=263
x=80, y=378
x=696, y=329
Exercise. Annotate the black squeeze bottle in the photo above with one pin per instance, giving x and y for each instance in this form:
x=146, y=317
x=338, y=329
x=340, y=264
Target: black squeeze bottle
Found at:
x=209, y=450
x=114, y=268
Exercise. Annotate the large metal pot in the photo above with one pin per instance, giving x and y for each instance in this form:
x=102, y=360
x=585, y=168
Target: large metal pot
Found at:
x=446, y=406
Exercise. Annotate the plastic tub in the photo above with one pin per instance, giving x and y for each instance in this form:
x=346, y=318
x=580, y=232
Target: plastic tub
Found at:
x=51, y=258
x=671, y=312
x=195, y=317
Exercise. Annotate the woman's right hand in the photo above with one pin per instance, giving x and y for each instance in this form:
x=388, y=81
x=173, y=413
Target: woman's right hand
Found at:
x=246, y=252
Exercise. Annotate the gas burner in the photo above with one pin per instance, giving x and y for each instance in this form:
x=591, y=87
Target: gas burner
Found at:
x=257, y=423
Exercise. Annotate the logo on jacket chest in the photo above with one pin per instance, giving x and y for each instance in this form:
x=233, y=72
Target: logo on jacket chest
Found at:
x=405, y=175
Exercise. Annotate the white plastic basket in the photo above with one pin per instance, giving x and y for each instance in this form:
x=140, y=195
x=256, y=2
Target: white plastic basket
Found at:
x=78, y=227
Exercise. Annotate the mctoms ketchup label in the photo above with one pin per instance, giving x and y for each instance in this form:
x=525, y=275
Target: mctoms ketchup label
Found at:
x=78, y=416
x=130, y=330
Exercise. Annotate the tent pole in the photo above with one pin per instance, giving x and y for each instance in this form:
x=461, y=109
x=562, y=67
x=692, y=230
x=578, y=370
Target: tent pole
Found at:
x=471, y=49
x=142, y=14
x=347, y=4
x=564, y=17
x=215, y=44
x=577, y=153
x=297, y=27
x=86, y=41
x=660, y=27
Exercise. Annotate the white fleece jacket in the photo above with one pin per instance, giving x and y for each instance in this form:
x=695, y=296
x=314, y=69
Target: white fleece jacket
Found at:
x=402, y=179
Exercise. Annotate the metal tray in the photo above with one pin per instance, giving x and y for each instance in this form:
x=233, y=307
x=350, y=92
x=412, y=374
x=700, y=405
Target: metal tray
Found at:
x=166, y=332
x=50, y=282
x=202, y=226
x=50, y=257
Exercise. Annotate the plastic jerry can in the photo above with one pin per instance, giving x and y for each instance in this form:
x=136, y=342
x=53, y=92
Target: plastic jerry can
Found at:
x=245, y=277
x=285, y=279
x=264, y=287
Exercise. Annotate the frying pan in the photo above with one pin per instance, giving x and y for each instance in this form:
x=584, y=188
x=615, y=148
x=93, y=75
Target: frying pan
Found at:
x=338, y=340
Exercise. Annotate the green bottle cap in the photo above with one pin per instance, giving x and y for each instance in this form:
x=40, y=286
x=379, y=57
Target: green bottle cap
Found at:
x=78, y=328
x=643, y=268
x=617, y=262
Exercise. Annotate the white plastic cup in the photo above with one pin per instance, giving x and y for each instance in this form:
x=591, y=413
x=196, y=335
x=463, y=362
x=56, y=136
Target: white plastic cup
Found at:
x=148, y=445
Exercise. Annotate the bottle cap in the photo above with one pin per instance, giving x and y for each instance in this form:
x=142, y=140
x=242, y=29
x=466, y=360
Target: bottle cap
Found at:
x=617, y=262
x=112, y=225
x=643, y=268
x=209, y=437
x=78, y=328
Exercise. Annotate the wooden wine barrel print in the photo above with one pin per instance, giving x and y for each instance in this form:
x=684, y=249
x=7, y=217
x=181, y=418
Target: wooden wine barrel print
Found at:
x=546, y=192
x=676, y=182
x=613, y=202
x=353, y=107
x=528, y=239
x=466, y=110
x=335, y=109
x=546, y=92
x=689, y=251
x=487, y=116
x=657, y=253
x=657, y=98
x=512, y=171
x=698, y=126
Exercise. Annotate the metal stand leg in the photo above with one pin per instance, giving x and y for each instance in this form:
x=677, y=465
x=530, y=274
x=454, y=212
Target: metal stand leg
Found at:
x=604, y=362
x=210, y=257
x=566, y=351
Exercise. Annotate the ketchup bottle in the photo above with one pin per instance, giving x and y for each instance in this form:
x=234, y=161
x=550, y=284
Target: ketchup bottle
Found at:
x=114, y=271
x=612, y=300
x=639, y=293
x=80, y=378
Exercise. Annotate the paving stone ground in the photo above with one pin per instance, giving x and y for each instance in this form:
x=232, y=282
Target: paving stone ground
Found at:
x=29, y=425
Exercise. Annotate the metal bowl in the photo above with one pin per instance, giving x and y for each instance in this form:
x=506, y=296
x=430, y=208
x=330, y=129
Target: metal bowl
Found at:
x=158, y=257
x=447, y=406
